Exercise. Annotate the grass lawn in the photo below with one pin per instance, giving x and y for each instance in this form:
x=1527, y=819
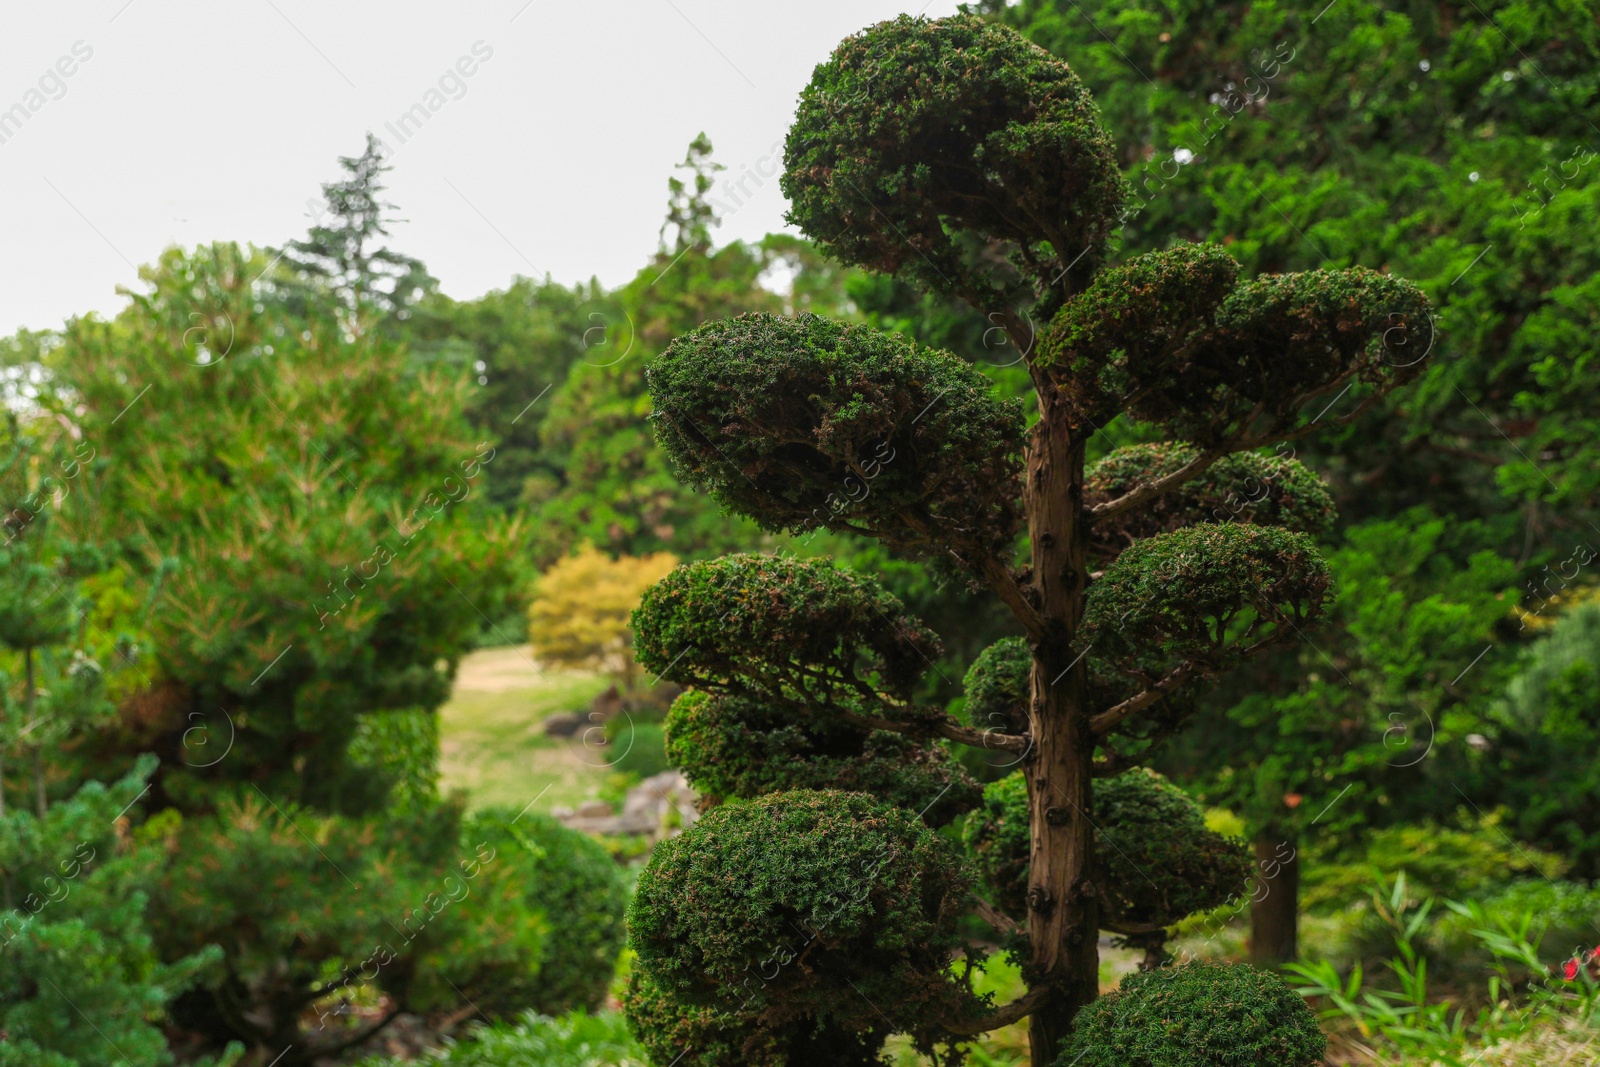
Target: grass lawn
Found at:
x=492, y=738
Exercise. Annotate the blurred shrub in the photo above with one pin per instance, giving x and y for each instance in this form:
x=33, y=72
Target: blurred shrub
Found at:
x=572, y=1040
x=1564, y=916
x=402, y=749
x=569, y=879
x=1437, y=861
x=579, y=615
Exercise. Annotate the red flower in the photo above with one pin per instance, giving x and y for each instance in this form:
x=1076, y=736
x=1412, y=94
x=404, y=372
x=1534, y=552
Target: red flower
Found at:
x=1570, y=971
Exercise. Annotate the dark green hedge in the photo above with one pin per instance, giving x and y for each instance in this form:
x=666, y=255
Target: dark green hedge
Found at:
x=1197, y=1015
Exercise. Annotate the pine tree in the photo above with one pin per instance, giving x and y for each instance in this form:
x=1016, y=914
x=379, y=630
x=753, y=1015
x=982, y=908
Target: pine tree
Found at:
x=966, y=161
x=344, y=253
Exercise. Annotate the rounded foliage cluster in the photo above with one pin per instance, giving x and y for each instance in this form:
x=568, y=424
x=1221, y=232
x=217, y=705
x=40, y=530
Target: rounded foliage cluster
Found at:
x=691, y=1035
x=780, y=627
x=1241, y=487
x=1156, y=861
x=809, y=423
x=733, y=747
x=573, y=884
x=1171, y=339
x=806, y=905
x=997, y=686
x=1129, y=326
x=998, y=689
x=1199, y=593
x=1197, y=1015
x=1160, y=862
x=920, y=143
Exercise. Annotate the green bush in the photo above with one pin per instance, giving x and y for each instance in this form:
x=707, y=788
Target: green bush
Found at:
x=938, y=149
x=1243, y=487
x=640, y=747
x=700, y=1036
x=751, y=616
x=805, y=905
x=1178, y=593
x=901, y=441
x=569, y=881
x=1197, y=1015
x=1437, y=860
x=1157, y=859
x=79, y=972
x=731, y=747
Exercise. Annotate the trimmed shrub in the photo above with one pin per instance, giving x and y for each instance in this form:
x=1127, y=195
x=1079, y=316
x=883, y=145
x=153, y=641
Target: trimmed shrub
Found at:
x=1244, y=487
x=730, y=747
x=1197, y=1015
x=762, y=620
x=699, y=1036
x=806, y=906
x=921, y=145
x=809, y=423
x=1178, y=593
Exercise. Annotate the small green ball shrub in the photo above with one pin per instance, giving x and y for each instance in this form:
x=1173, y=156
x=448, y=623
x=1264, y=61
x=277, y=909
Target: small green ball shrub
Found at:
x=1197, y=1015
x=806, y=905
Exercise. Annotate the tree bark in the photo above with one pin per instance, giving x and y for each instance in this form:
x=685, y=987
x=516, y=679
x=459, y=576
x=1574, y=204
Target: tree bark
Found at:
x=1274, y=914
x=1062, y=905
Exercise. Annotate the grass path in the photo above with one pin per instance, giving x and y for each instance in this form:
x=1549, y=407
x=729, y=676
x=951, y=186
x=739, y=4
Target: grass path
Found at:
x=492, y=741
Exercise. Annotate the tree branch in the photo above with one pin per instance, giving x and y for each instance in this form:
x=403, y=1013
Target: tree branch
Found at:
x=998, y=577
x=999, y=920
x=1145, y=491
x=1108, y=720
x=1015, y=1011
x=945, y=727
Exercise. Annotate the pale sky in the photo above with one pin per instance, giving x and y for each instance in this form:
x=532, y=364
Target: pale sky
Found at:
x=128, y=127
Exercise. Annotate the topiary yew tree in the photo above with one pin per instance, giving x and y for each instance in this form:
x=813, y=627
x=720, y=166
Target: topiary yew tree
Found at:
x=962, y=159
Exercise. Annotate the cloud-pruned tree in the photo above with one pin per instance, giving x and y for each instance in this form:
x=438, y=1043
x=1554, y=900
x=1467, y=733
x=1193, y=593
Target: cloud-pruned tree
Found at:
x=968, y=162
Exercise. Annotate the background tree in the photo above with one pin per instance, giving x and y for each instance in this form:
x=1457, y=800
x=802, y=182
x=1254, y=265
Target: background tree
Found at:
x=344, y=253
x=578, y=617
x=1463, y=164
x=770, y=415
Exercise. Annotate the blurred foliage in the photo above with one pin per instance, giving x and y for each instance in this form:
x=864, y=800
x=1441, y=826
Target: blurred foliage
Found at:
x=578, y=615
x=575, y=1039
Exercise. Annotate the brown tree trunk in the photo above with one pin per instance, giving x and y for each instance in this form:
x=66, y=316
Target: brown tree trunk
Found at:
x=1062, y=919
x=1275, y=909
